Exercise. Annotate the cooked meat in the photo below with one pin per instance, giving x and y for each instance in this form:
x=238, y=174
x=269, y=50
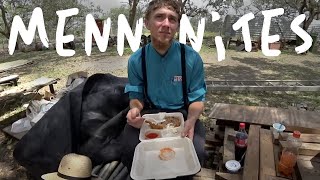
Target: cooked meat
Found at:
x=154, y=125
x=175, y=121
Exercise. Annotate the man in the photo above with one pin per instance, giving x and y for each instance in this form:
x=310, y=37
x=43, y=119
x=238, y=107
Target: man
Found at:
x=159, y=85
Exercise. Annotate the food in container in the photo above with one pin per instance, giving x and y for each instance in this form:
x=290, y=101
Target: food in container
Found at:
x=168, y=121
x=164, y=124
x=152, y=134
x=148, y=165
x=162, y=152
x=167, y=154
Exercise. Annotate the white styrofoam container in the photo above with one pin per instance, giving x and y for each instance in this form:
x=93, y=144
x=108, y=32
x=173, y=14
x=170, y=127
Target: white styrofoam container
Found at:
x=146, y=162
x=164, y=133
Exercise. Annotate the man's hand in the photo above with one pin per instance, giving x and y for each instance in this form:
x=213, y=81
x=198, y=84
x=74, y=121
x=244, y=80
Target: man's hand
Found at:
x=188, y=129
x=134, y=118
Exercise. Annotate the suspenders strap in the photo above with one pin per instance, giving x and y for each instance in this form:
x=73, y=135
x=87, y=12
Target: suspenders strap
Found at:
x=184, y=77
x=144, y=74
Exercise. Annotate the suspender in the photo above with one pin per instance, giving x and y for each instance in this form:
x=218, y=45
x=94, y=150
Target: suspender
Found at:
x=145, y=80
x=184, y=77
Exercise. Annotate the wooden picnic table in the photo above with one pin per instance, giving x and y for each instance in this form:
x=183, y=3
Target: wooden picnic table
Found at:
x=10, y=79
x=264, y=146
x=232, y=114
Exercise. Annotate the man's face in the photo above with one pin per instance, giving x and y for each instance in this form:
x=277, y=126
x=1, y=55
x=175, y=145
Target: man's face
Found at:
x=163, y=24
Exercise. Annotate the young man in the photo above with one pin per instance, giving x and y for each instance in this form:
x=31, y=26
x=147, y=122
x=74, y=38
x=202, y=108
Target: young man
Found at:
x=163, y=89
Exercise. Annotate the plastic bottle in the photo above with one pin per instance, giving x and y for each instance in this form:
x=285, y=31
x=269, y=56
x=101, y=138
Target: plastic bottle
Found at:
x=241, y=143
x=289, y=154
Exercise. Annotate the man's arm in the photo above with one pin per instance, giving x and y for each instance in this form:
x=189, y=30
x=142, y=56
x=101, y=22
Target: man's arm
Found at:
x=194, y=112
x=196, y=95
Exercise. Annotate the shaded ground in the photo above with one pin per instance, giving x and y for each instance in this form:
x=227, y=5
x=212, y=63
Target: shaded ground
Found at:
x=237, y=66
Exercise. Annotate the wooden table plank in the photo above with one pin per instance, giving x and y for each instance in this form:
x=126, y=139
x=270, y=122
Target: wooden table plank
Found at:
x=251, y=163
x=228, y=146
x=310, y=158
x=14, y=64
x=267, y=165
x=12, y=78
x=309, y=149
x=228, y=114
x=205, y=174
x=310, y=138
x=308, y=170
x=307, y=138
x=227, y=176
x=274, y=178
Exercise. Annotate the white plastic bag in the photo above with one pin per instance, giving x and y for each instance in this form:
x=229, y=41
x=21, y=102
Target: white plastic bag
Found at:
x=21, y=125
x=37, y=109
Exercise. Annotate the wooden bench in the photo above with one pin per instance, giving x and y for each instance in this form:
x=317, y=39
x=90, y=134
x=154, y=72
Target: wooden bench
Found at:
x=12, y=79
x=30, y=86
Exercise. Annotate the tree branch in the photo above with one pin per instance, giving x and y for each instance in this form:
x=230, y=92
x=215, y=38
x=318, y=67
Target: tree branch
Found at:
x=4, y=18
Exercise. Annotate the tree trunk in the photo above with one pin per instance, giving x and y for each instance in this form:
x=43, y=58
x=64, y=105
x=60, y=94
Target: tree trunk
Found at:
x=132, y=13
x=6, y=30
x=308, y=21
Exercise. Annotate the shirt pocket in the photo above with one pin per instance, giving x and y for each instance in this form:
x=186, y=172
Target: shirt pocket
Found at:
x=174, y=92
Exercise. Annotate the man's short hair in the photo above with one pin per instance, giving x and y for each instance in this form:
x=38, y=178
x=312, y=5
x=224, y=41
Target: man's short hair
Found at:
x=173, y=5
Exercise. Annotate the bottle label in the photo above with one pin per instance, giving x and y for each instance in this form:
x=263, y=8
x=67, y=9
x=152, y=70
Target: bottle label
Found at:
x=241, y=142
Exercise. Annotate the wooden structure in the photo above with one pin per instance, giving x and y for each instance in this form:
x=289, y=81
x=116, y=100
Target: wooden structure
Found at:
x=232, y=114
x=264, y=145
x=12, y=79
x=29, y=86
x=8, y=66
x=264, y=85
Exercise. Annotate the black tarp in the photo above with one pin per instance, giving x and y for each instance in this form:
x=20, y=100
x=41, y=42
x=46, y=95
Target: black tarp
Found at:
x=87, y=120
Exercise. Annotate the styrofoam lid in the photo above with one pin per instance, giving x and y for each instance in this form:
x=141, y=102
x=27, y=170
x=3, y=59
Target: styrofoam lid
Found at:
x=233, y=165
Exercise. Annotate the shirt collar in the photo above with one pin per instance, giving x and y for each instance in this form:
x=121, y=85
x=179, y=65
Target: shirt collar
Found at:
x=173, y=43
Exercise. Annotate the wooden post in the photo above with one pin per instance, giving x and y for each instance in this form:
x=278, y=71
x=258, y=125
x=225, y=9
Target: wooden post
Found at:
x=267, y=165
x=251, y=163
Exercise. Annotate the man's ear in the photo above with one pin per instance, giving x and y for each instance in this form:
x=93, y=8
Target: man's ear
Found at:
x=146, y=24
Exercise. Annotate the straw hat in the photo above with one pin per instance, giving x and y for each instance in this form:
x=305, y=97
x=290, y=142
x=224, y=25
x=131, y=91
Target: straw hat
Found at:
x=72, y=166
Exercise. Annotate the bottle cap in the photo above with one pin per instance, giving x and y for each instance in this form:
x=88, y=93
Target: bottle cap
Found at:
x=233, y=166
x=242, y=125
x=296, y=134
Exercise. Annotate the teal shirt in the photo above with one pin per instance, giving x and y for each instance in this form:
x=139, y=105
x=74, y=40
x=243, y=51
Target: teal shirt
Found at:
x=164, y=76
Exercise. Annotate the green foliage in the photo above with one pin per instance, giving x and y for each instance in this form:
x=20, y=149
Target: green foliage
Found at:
x=113, y=15
x=24, y=8
x=10, y=8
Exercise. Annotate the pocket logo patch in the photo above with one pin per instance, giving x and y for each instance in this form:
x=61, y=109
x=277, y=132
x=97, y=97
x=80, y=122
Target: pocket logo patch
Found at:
x=177, y=78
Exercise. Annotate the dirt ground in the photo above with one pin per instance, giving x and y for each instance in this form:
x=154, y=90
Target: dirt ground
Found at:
x=237, y=66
